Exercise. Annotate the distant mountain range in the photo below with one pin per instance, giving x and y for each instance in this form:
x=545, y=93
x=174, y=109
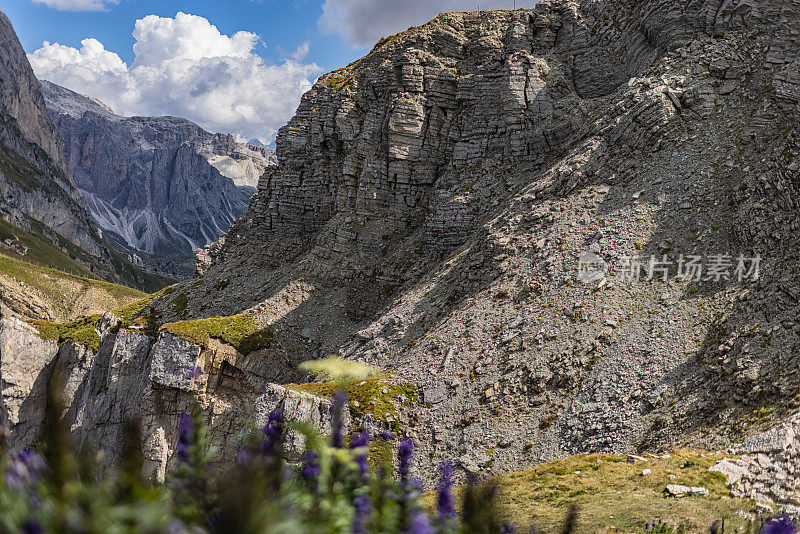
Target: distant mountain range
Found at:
x=158, y=187
x=40, y=204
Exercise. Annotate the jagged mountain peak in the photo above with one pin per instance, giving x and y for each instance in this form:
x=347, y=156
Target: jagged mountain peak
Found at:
x=21, y=98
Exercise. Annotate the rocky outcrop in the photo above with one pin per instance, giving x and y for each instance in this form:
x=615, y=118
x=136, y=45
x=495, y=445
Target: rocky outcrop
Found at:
x=767, y=466
x=136, y=379
x=156, y=186
x=433, y=201
x=21, y=100
x=25, y=366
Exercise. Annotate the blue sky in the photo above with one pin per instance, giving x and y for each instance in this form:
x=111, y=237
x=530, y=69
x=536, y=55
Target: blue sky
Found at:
x=282, y=25
x=232, y=66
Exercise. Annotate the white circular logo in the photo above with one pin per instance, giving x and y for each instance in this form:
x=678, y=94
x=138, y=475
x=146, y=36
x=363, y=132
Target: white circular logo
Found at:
x=591, y=267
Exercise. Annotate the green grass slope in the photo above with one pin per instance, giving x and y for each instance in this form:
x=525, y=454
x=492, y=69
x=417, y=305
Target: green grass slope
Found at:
x=64, y=256
x=60, y=296
x=614, y=496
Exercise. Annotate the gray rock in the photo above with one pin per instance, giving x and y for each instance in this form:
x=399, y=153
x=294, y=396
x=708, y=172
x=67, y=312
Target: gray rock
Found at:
x=25, y=369
x=679, y=491
x=434, y=395
x=172, y=359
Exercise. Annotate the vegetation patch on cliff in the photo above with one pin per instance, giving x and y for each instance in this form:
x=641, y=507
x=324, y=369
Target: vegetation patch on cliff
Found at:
x=18, y=244
x=374, y=396
x=81, y=331
x=241, y=331
x=63, y=296
x=337, y=80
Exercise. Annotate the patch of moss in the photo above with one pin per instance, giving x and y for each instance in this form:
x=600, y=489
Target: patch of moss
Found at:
x=131, y=311
x=81, y=331
x=337, y=83
x=222, y=284
x=240, y=331
x=548, y=421
x=381, y=42
x=180, y=303
x=373, y=396
x=381, y=455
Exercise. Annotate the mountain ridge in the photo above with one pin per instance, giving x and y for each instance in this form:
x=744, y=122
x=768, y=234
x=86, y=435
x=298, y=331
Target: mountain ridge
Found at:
x=158, y=187
x=432, y=201
x=37, y=193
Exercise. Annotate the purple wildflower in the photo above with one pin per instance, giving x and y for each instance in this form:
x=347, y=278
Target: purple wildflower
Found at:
x=419, y=523
x=311, y=469
x=405, y=454
x=185, y=437
x=31, y=527
x=363, y=508
x=273, y=431
x=445, y=502
x=358, y=441
x=386, y=435
x=413, y=489
x=507, y=528
x=176, y=526
x=25, y=467
x=195, y=372
x=779, y=525
x=243, y=457
x=337, y=413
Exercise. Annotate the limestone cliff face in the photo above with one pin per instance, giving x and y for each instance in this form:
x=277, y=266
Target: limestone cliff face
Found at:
x=434, y=199
x=155, y=185
x=134, y=378
x=20, y=98
x=37, y=193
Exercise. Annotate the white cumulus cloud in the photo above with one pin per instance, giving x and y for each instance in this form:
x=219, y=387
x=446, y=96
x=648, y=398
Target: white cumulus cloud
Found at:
x=363, y=22
x=184, y=66
x=78, y=5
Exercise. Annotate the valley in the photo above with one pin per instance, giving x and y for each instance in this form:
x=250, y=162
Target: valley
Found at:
x=554, y=248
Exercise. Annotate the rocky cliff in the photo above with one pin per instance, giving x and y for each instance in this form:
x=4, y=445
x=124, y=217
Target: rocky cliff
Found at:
x=438, y=195
x=156, y=186
x=131, y=377
x=35, y=184
x=37, y=193
x=571, y=228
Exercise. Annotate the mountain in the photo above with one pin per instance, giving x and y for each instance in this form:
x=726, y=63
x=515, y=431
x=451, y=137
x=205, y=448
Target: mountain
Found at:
x=158, y=187
x=38, y=197
x=434, y=202
x=495, y=208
